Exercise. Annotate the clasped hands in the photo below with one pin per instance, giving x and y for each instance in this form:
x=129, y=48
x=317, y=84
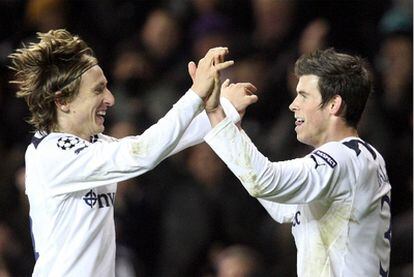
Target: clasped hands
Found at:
x=207, y=83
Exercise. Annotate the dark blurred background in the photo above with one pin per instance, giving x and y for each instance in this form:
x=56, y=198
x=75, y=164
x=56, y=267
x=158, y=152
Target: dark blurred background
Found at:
x=190, y=216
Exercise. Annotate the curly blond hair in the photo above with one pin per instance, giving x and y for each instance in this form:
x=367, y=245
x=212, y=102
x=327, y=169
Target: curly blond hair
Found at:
x=49, y=71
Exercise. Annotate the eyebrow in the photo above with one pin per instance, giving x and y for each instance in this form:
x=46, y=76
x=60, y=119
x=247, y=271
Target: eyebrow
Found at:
x=99, y=85
x=301, y=92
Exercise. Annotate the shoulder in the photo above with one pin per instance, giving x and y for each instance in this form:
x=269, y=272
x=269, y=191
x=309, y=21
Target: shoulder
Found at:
x=358, y=146
x=65, y=144
x=103, y=138
x=63, y=147
x=57, y=144
x=332, y=154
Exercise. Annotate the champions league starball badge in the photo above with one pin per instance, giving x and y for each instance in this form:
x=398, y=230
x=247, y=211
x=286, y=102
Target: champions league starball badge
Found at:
x=66, y=143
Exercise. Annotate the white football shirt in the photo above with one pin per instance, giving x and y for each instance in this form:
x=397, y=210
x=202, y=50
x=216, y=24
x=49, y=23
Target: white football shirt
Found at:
x=337, y=198
x=71, y=185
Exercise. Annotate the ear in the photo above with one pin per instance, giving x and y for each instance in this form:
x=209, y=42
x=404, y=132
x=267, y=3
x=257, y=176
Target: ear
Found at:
x=335, y=105
x=60, y=103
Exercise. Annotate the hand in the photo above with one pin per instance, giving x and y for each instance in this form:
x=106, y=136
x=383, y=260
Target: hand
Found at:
x=207, y=70
x=213, y=100
x=241, y=95
x=213, y=108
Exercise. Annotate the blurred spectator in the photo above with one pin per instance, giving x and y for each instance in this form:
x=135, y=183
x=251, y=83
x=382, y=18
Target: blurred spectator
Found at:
x=161, y=41
x=314, y=36
x=239, y=261
x=396, y=98
x=201, y=210
x=210, y=30
x=161, y=36
x=274, y=22
x=131, y=77
x=44, y=15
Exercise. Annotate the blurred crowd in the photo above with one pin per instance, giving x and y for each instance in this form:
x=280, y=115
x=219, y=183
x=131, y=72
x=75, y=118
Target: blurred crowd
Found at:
x=190, y=216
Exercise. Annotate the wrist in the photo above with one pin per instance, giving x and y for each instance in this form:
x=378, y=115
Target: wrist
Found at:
x=216, y=115
x=198, y=91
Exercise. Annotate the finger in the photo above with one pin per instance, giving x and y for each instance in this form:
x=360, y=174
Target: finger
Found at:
x=225, y=84
x=217, y=50
x=216, y=60
x=192, y=68
x=251, y=90
x=251, y=87
x=252, y=98
x=213, y=53
x=221, y=57
x=224, y=65
x=248, y=87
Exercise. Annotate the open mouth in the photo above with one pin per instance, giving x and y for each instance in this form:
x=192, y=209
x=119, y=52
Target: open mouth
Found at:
x=299, y=121
x=101, y=115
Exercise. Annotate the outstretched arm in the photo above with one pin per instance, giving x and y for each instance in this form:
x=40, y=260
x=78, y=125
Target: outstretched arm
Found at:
x=296, y=181
x=87, y=166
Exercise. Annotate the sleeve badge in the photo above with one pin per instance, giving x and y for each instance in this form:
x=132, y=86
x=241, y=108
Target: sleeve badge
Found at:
x=69, y=142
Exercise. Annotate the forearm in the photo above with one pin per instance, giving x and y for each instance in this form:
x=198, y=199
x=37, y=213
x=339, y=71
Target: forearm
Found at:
x=235, y=150
x=291, y=182
x=216, y=116
x=201, y=125
x=164, y=136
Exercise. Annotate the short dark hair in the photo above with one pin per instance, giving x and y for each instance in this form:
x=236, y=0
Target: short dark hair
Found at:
x=339, y=74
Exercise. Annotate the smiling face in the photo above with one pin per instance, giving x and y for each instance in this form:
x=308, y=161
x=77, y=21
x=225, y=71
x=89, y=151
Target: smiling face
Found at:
x=84, y=116
x=311, y=119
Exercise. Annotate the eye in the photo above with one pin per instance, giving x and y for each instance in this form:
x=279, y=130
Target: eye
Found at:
x=303, y=94
x=99, y=90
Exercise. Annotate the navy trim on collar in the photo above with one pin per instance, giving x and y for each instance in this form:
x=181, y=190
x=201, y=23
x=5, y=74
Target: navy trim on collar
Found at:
x=36, y=140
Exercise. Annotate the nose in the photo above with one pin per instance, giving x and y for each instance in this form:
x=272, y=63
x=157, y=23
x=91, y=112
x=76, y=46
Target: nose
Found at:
x=293, y=106
x=109, y=99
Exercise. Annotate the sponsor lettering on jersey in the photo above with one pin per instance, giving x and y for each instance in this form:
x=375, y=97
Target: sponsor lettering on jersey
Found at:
x=326, y=157
x=102, y=200
x=296, y=220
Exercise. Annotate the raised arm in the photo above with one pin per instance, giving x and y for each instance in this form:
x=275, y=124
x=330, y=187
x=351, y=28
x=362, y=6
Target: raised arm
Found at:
x=233, y=101
x=105, y=163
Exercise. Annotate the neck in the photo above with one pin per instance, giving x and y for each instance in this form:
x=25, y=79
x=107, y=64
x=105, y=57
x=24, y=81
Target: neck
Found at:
x=68, y=128
x=66, y=125
x=338, y=133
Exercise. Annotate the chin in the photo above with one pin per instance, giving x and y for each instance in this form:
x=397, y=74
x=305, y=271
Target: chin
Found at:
x=299, y=138
x=99, y=130
x=304, y=140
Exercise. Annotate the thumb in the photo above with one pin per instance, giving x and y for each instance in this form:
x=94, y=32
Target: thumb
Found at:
x=225, y=84
x=253, y=98
x=192, y=68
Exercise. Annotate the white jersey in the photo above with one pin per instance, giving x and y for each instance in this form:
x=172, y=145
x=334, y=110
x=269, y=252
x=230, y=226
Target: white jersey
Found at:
x=337, y=198
x=71, y=185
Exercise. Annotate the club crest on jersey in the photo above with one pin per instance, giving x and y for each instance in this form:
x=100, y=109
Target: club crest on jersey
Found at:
x=326, y=157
